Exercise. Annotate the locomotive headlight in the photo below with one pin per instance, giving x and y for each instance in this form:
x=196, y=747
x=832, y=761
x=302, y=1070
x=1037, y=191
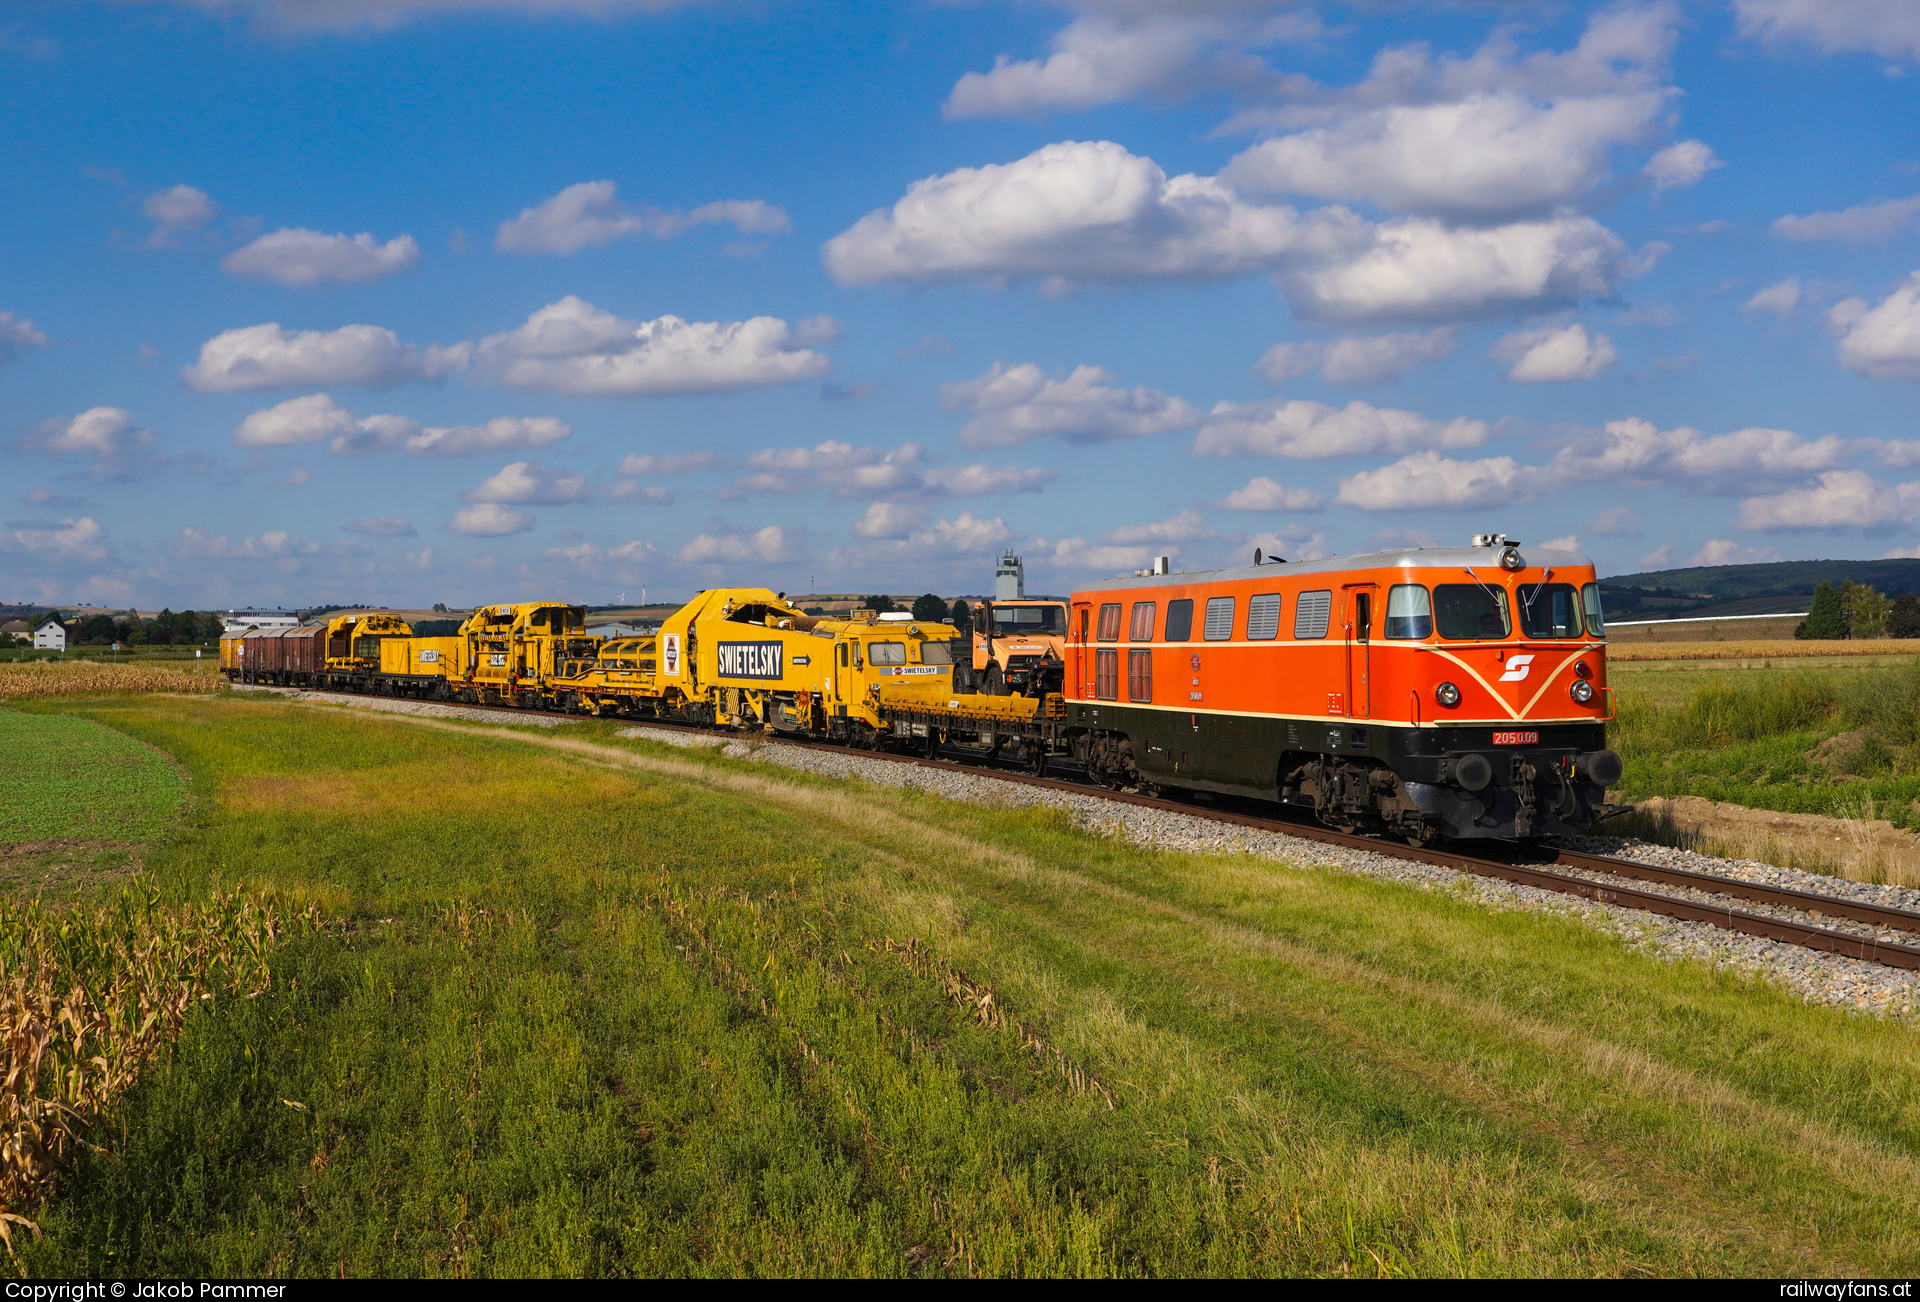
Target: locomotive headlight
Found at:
x=1582, y=691
x=1447, y=694
x=1512, y=560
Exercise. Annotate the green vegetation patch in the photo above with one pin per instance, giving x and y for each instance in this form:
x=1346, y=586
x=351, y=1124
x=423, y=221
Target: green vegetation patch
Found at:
x=621, y=1010
x=73, y=779
x=1837, y=742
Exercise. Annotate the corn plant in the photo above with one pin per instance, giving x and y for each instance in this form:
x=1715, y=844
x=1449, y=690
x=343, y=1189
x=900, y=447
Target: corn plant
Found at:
x=89, y=995
x=87, y=678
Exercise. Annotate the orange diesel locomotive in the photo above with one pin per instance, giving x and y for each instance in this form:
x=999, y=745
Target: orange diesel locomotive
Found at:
x=1446, y=691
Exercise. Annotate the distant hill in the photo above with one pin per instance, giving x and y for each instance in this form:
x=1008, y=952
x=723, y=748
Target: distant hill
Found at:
x=1776, y=587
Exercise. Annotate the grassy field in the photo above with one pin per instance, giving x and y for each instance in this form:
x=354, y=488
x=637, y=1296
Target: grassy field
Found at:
x=77, y=801
x=1833, y=738
x=592, y=1007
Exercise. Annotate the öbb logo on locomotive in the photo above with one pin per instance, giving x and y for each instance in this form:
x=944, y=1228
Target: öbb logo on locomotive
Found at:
x=1376, y=692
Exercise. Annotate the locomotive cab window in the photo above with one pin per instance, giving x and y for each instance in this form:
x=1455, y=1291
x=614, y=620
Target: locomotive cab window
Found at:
x=1590, y=600
x=886, y=653
x=1110, y=622
x=1263, y=617
x=1142, y=627
x=1409, y=611
x=1471, y=611
x=1219, y=619
x=1179, y=620
x=1549, y=610
x=1106, y=675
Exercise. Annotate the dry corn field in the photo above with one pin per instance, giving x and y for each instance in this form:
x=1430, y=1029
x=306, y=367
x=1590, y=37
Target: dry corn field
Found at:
x=87, y=678
x=1756, y=649
x=89, y=995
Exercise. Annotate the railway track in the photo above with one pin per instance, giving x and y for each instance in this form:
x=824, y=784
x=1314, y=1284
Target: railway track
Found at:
x=1514, y=866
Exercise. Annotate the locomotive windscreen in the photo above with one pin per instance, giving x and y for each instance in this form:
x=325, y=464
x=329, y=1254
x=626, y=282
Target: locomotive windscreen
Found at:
x=1471, y=610
x=1549, y=610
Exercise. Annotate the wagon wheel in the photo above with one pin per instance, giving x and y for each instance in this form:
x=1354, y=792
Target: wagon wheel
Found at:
x=1039, y=765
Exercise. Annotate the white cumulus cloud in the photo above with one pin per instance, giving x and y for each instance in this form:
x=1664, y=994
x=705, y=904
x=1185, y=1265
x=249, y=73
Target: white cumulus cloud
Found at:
x=1490, y=156
x=1617, y=522
x=1358, y=361
x=382, y=526
x=1888, y=27
x=1092, y=211
x=71, y=540
x=901, y=472
x=1017, y=404
x=175, y=211
x=1096, y=60
x=1680, y=165
x=1263, y=494
x=105, y=434
x=317, y=418
x=299, y=258
x=1303, y=430
x=1842, y=500
x=525, y=483
x=1546, y=355
x=1429, y=481
x=1723, y=551
x=1779, y=298
x=1635, y=449
x=667, y=463
x=591, y=213
x=889, y=520
x=16, y=332
x=573, y=347
x=769, y=545
x=268, y=357
x=1188, y=526
x=1870, y=221
x=965, y=535
x=1882, y=341
x=489, y=520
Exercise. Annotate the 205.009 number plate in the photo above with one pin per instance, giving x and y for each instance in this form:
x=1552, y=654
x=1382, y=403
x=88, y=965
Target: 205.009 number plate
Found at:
x=1516, y=739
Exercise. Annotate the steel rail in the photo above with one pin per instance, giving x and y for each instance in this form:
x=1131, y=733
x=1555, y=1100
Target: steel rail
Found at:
x=1540, y=877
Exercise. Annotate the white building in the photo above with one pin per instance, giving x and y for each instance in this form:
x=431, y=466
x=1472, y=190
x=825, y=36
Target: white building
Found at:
x=51, y=635
x=239, y=621
x=1009, y=578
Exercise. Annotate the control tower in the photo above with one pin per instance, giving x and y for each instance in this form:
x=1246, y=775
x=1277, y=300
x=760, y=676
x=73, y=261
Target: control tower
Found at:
x=1009, y=578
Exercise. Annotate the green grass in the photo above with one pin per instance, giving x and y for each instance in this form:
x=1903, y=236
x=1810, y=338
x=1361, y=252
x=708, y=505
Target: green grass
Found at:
x=71, y=778
x=1744, y=736
x=603, y=1008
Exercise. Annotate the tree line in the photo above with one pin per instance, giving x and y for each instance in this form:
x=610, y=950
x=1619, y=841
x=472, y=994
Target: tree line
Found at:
x=1855, y=611
x=168, y=628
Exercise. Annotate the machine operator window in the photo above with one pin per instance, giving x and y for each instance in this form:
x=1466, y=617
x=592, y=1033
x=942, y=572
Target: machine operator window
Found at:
x=1142, y=627
x=1179, y=620
x=936, y=653
x=1219, y=626
x=1106, y=674
x=886, y=653
x=1311, y=614
x=1029, y=621
x=1140, y=676
x=1471, y=611
x=1409, y=611
x=1549, y=610
x=1263, y=617
x=1110, y=622
x=1590, y=599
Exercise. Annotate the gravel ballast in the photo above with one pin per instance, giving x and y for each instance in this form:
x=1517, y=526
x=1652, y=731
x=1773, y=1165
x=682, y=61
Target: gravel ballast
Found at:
x=406, y=705
x=1811, y=974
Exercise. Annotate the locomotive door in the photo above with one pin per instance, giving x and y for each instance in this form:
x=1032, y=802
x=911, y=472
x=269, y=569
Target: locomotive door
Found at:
x=1359, y=650
x=1082, y=687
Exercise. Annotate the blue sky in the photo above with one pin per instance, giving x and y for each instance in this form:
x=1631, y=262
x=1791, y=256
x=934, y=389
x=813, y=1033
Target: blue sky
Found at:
x=403, y=301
